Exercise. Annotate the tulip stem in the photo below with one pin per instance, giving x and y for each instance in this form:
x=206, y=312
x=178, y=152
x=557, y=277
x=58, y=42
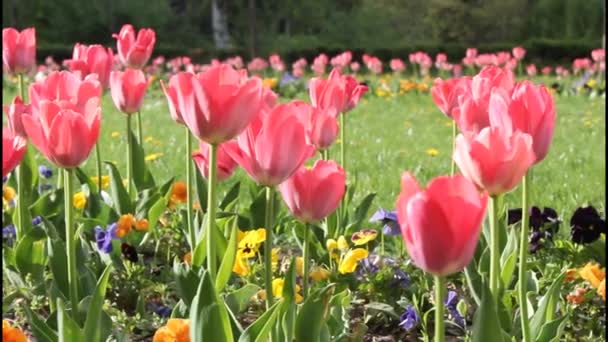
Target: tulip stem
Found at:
x=98, y=160
x=306, y=257
x=340, y=209
x=140, y=136
x=191, y=231
x=269, y=218
x=129, y=159
x=21, y=188
x=211, y=199
x=453, y=166
x=439, y=309
x=523, y=255
x=70, y=239
x=494, y=250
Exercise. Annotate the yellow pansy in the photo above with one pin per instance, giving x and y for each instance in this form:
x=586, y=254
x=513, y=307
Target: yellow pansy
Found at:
x=8, y=194
x=364, y=236
x=319, y=273
x=300, y=266
x=331, y=245
x=241, y=266
x=275, y=257
x=593, y=274
x=250, y=242
x=79, y=200
x=277, y=289
x=342, y=243
x=270, y=82
x=105, y=181
x=349, y=263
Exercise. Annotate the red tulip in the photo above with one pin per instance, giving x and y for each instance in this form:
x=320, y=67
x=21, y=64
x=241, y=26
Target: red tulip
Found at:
x=217, y=104
x=65, y=120
x=311, y=194
x=440, y=225
x=497, y=158
x=92, y=59
x=19, y=50
x=532, y=111
x=13, y=149
x=14, y=113
x=128, y=89
x=445, y=93
x=134, y=51
x=274, y=145
x=471, y=114
x=225, y=164
x=519, y=52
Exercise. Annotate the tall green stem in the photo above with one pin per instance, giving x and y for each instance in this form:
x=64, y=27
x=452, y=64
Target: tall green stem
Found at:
x=439, y=308
x=140, y=136
x=523, y=255
x=70, y=238
x=306, y=259
x=269, y=223
x=191, y=231
x=211, y=199
x=98, y=160
x=453, y=167
x=22, y=190
x=494, y=248
x=343, y=162
x=129, y=159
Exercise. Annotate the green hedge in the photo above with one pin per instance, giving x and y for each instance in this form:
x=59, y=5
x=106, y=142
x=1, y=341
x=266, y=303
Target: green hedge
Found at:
x=538, y=51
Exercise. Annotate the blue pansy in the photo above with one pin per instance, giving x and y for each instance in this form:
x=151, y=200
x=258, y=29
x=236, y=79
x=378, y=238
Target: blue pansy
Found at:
x=45, y=171
x=104, y=237
x=451, y=303
x=389, y=218
x=37, y=220
x=409, y=318
x=400, y=278
x=9, y=233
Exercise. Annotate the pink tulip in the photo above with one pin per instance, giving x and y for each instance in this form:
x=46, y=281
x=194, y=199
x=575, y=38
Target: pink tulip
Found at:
x=92, y=59
x=171, y=94
x=14, y=113
x=13, y=149
x=225, y=164
x=321, y=125
x=274, y=145
x=354, y=66
x=311, y=194
x=354, y=92
x=397, y=65
x=519, y=52
x=329, y=93
x=440, y=59
x=440, y=225
x=471, y=114
x=532, y=111
x=498, y=156
x=19, y=50
x=445, y=93
x=216, y=104
x=128, y=89
x=546, y=70
x=471, y=53
x=134, y=51
x=257, y=64
x=66, y=89
x=598, y=55
x=531, y=70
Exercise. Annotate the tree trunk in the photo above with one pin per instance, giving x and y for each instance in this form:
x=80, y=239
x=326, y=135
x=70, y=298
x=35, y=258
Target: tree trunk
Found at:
x=221, y=35
x=252, y=31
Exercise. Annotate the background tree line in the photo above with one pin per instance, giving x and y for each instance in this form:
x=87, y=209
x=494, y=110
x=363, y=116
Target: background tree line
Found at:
x=260, y=27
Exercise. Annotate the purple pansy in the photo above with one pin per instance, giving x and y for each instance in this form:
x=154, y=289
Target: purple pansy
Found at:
x=389, y=218
x=409, y=318
x=104, y=237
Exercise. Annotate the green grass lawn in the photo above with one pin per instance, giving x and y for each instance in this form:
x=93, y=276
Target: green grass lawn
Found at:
x=386, y=136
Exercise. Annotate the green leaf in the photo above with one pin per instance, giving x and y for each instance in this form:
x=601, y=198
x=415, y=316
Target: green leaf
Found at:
x=313, y=315
x=361, y=212
x=225, y=270
x=69, y=331
x=92, y=323
x=552, y=330
x=186, y=281
x=238, y=300
x=546, y=306
x=200, y=251
x=39, y=327
x=120, y=197
x=259, y=330
x=209, y=320
x=257, y=209
x=48, y=204
x=93, y=198
x=30, y=254
x=382, y=307
x=231, y=195
x=288, y=309
x=507, y=269
x=486, y=324
x=141, y=174
x=156, y=210
x=57, y=261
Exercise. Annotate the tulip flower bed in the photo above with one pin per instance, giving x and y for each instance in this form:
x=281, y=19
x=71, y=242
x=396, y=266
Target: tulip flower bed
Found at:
x=168, y=205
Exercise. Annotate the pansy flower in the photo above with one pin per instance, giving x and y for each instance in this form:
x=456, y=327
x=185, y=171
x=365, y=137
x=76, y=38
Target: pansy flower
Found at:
x=45, y=171
x=409, y=318
x=586, y=225
x=364, y=236
x=348, y=264
x=104, y=238
x=389, y=219
x=129, y=252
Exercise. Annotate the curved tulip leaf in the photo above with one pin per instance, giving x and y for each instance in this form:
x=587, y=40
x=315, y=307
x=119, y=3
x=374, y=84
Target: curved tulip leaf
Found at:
x=237, y=301
x=551, y=331
x=39, y=327
x=92, y=323
x=546, y=306
x=120, y=197
x=69, y=330
x=313, y=315
x=142, y=177
x=209, y=321
x=259, y=330
x=486, y=324
x=225, y=270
